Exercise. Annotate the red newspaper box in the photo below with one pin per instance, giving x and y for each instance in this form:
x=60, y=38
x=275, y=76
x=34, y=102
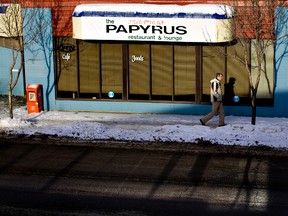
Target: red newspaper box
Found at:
x=34, y=98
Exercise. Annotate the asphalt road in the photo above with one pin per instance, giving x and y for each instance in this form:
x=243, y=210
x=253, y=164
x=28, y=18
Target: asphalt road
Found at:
x=57, y=176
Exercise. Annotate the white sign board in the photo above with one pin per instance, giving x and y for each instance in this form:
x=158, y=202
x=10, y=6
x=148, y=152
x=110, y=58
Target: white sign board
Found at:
x=132, y=25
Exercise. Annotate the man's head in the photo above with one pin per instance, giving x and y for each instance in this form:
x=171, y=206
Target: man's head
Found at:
x=232, y=80
x=219, y=76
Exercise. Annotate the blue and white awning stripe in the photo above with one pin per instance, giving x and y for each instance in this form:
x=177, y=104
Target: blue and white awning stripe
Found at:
x=148, y=15
x=205, y=11
x=3, y=9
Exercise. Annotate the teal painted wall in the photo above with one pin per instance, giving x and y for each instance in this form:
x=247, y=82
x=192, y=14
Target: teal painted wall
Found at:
x=5, y=64
x=40, y=66
x=281, y=63
x=141, y=107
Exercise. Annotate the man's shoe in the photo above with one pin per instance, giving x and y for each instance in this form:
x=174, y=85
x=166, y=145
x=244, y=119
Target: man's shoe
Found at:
x=202, y=122
x=222, y=125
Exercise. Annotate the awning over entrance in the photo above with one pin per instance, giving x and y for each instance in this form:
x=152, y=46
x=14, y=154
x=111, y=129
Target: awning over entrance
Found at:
x=199, y=23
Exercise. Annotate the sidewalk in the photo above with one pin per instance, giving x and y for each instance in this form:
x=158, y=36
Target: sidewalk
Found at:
x=91, y=126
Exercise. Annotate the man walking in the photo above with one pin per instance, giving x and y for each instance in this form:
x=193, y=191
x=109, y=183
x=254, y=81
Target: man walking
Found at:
x=216, y=100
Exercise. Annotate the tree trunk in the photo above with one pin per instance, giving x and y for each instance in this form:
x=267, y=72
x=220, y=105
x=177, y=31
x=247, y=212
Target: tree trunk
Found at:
x=10, y=102
x=253, y=102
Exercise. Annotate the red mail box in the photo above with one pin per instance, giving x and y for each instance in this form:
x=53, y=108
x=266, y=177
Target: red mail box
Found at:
x=34, y=98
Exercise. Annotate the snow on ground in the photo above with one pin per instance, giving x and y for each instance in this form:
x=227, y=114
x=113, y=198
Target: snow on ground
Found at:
x=147, y=127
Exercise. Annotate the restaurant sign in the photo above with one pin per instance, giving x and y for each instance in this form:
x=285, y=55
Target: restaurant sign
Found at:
x=146, y=22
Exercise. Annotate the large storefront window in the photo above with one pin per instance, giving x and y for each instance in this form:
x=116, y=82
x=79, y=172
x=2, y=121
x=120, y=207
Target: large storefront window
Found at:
x=111, y=71
x=266, y=85
x=237, y=71
x=184, y=73
x=153, y=72
x=162, y=68
x=212, y=62
x=66, y=74
x=168, y=74
x=89, y=70
x=139, y=72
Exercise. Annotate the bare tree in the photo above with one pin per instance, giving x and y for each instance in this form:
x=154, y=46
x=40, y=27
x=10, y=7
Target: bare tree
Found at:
x=13, y=22
x=254, y=25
